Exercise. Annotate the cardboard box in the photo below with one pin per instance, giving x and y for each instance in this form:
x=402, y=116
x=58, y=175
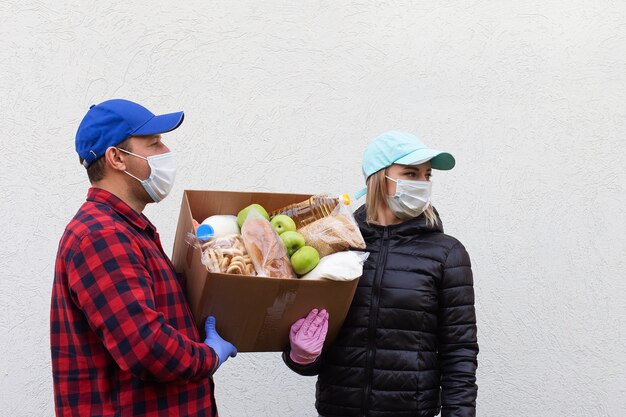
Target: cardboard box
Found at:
x=253, y=313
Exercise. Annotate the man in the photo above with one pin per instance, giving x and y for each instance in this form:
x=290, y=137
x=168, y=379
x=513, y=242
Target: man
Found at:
x=122, y=338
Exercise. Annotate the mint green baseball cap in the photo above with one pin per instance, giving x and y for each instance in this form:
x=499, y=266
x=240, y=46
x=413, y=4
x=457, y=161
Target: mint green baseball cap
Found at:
x=401, y=148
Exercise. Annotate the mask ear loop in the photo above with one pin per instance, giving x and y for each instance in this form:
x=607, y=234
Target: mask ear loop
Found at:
x=390, y=179
x=386, y=176
x=138, y=156
x=130, y=153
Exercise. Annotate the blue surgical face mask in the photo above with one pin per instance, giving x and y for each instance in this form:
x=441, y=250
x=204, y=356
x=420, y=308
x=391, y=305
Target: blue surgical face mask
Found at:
x=162, y=174
x=411, y=198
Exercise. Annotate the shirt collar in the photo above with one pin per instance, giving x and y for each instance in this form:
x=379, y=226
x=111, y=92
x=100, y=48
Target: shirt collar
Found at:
x=138, y=220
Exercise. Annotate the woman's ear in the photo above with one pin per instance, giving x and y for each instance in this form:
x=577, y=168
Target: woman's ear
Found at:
x=390, y=186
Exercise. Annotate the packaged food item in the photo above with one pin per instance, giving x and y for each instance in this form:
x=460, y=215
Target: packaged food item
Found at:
x=266, y=250
x=225, y=254
x=336, y=232
x=315, y=208
x=340, y=266
x=222, y=224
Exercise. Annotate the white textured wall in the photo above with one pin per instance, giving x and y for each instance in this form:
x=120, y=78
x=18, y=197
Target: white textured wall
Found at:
x=528, y=95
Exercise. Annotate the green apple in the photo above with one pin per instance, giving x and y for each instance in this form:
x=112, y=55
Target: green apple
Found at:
x=305, y=259
x=292, y=241
x=283, y=223
x=243, y=214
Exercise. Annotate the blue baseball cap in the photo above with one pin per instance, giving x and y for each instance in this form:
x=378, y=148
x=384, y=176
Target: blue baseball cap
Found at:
x=113, y=121
x=401, y=148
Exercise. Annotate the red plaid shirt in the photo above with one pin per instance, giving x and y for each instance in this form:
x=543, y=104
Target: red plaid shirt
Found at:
x=122, y=337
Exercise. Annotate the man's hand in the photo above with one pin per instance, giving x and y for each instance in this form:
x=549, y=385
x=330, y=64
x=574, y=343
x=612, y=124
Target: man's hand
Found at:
x=222, y=348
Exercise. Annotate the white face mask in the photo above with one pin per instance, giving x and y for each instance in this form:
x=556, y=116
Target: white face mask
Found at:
x=162, y=174
x=411, y=198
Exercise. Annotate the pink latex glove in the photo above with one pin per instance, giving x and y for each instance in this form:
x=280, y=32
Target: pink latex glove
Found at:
x=307, y=337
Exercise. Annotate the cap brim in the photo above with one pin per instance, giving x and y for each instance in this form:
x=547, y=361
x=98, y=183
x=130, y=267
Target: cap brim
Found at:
x=438, y=159
x=161, y=124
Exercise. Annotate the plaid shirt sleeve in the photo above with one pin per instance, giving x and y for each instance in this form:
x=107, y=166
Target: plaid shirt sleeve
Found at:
x=113, y=288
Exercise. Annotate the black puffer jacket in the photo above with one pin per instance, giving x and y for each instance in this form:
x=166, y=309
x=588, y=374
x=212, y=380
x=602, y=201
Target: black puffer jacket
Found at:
x=408, y=345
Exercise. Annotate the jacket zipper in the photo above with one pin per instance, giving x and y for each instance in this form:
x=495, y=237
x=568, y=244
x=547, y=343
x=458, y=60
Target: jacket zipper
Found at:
x=371, y=339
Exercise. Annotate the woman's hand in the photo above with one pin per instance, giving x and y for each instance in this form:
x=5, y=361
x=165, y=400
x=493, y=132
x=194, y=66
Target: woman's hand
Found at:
x=307, y=337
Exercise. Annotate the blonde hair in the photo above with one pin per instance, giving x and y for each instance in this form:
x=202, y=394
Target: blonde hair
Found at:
x=377, y=196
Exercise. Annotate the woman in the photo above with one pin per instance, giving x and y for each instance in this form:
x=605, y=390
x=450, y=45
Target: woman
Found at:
x=408, y=345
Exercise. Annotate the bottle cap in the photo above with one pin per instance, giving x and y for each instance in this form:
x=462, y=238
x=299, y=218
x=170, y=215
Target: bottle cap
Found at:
x=205, y=232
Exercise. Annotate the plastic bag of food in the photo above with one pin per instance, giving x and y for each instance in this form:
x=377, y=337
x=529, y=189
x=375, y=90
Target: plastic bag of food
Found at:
x=226, y=254
x=314, y=208
x=266, y=250
x=336, y=232
x=339, y=266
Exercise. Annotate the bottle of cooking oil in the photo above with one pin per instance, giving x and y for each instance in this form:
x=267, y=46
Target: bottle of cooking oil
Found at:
x=314, y=208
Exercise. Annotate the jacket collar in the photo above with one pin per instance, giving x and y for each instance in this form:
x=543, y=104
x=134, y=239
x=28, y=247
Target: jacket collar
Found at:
x=411, y=227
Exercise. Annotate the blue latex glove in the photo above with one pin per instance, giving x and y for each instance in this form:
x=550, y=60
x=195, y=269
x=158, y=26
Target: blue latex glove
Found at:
x=222, y=348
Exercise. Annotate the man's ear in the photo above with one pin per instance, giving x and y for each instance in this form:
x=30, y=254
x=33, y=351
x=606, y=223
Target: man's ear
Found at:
x=114, y=158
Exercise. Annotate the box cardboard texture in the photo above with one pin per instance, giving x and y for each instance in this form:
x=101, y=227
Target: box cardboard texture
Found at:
x=253, y=313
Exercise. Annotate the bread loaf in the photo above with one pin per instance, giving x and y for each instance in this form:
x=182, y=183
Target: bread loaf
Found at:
x=266, y=250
